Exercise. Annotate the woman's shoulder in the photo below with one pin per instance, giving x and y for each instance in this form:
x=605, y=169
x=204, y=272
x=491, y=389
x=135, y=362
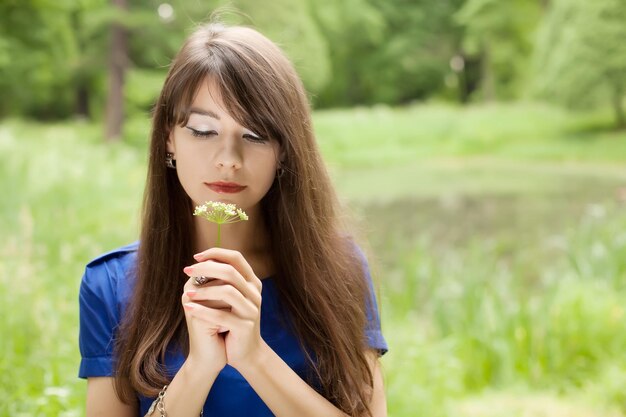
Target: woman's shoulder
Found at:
x=124, y=254
x=111, y=273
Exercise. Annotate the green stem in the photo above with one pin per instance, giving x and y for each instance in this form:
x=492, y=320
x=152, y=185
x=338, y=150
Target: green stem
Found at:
x=218, y=235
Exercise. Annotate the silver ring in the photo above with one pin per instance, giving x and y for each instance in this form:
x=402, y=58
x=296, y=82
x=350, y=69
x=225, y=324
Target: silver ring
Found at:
x=201, y=280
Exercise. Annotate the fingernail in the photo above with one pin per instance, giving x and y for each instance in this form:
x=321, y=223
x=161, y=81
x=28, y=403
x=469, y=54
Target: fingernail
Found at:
x=197, y=256
x=191, y=293
x=188, y=270
x=189, y=306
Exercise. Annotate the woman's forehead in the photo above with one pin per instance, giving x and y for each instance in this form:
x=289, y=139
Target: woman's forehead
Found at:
x=209, y=98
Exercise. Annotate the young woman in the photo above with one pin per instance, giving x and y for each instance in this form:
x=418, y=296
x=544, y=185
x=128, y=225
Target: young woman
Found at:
x=288, y=325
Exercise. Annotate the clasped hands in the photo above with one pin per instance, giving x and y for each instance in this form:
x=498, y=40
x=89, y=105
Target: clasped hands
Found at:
x=223, y=316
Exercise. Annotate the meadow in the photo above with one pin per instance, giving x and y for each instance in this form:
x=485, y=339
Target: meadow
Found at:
x=497, y=237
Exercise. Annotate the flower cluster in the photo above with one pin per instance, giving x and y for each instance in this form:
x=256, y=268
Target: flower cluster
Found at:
x=220, y=213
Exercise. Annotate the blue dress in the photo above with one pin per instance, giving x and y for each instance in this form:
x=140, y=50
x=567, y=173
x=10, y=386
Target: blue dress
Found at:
x=104, y=295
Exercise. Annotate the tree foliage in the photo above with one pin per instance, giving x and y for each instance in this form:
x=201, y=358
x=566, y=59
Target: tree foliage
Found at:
x=36, y=42
x=499, y=33
x=581, y=54
x=53, y=54
x=394, y=51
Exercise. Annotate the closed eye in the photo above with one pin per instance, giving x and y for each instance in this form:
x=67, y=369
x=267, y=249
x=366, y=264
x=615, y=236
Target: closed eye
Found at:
x=253, y=138
x=201, y=133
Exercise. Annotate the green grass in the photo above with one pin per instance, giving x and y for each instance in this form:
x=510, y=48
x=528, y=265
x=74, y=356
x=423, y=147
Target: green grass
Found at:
x=385, y=136
x=495, y=292
x=498, y=237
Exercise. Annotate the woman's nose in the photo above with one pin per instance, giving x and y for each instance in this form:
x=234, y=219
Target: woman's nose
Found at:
x=228, y=156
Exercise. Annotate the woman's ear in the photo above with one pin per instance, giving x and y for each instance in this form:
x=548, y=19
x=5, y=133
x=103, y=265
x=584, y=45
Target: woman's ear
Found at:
x=169, y=144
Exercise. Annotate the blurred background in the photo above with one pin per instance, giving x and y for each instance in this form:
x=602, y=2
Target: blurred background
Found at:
x=479, y=144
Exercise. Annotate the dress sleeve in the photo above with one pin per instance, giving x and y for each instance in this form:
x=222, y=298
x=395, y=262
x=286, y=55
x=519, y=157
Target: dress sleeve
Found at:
x=373, y=332
x=99, y=319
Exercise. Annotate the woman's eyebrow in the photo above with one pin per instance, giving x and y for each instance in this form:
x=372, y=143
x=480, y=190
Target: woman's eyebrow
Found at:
x=203, y=112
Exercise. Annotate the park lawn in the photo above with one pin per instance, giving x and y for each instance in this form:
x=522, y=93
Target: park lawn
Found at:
x=497, y=236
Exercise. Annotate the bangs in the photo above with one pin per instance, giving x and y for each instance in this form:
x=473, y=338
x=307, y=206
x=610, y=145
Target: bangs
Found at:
x=249, y=99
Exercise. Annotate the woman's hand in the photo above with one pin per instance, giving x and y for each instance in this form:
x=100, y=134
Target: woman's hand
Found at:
x=239, y=288
x=206, y=345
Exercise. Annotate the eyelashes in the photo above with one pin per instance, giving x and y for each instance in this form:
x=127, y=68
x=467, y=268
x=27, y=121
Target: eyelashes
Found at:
x=201, y=133
x=253, y=138
x=210, y=133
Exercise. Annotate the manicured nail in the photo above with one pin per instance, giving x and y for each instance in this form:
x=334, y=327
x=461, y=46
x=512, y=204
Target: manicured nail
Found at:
x=189, y=306
x=197, y=256
x=188, y=270
x=191, y=293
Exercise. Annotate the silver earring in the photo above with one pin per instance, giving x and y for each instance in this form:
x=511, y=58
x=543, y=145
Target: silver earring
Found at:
x=170, y=162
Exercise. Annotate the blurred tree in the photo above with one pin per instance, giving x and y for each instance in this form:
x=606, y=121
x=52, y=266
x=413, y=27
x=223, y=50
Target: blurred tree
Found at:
x=394, y=51
x=86, y=65
x=51, y=57
x=117, y=64
x=340, y=22
x=499, y=33
x=290, y=24
x=35, y=43
x=154, y=43
x=53, y=61
x=581, y=54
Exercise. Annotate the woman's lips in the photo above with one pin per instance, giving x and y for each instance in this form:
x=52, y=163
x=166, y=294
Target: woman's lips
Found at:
x=225, y=187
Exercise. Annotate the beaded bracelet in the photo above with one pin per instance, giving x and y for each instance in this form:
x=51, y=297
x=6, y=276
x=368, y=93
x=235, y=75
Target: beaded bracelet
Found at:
x=159, y=404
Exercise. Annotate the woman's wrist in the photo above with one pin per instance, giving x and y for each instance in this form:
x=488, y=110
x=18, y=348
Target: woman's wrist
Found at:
x=187, y=392
x=255, y=359
x=200, y=370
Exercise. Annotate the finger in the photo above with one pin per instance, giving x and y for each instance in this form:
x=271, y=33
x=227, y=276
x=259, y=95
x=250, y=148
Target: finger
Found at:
x=205, y=328
x=216, y=270
x=232, y=257
x=215, y=318
x=240, y=305
x=189, y=285
x=228, y=274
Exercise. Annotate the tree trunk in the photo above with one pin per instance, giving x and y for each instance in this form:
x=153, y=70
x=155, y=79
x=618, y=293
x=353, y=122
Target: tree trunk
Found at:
x=118, y=51
x=618, y=107
x=80, y=75
x=487, y=75
x=82, y=101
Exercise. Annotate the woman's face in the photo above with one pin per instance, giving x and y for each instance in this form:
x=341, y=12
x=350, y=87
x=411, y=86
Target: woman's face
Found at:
x=212, y=148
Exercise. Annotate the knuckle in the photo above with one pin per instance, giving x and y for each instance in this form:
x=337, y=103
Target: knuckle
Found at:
x=226, y=253
x=227, y=269
x=232, y=272
x=229, y=290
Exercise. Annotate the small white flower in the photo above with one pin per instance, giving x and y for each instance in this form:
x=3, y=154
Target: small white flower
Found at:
x=220, y=213
x=242, y=215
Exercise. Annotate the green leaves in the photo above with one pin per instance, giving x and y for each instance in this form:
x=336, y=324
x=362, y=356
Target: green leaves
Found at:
x=581, y=53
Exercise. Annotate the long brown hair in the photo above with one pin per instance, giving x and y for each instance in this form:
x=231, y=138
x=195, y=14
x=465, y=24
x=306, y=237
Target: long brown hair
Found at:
x=319, y=273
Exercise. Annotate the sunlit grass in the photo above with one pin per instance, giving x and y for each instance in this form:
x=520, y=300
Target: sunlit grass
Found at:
x=384, y=136
x=497, y=272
